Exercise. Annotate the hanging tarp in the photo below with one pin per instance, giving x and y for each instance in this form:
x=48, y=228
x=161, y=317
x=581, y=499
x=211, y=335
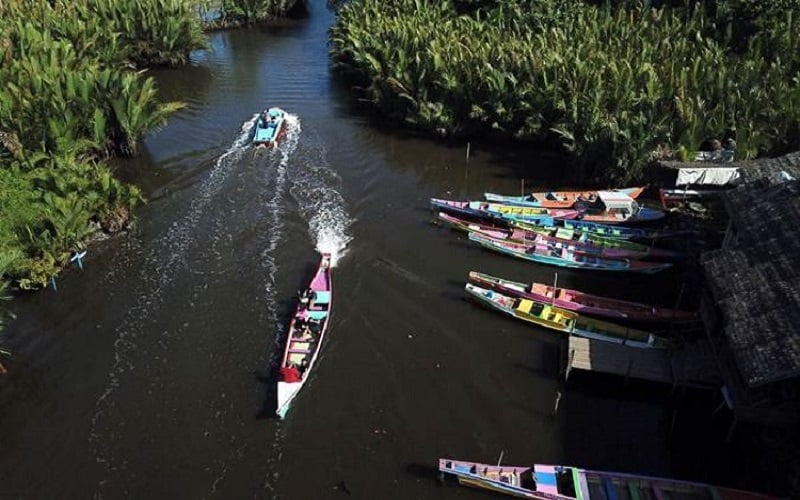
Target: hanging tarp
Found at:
x=717, y=176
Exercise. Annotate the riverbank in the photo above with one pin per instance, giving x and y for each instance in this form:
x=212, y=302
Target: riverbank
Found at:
x=610, y=85
x=74, y=99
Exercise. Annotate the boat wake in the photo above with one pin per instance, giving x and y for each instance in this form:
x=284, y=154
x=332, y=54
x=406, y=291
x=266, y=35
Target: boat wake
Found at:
x=165, y=258
x=316, y=189
x=274, y=207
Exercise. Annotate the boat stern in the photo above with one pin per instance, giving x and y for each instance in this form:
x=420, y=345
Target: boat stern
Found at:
x=286, y=394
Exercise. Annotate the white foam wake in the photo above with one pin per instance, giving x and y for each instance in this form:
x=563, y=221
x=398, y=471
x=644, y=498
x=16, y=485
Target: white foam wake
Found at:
x=316, y=187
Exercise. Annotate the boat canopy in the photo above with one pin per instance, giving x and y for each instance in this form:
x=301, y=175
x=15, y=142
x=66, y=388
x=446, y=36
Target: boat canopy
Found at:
x=274, y=112
x=614, y=200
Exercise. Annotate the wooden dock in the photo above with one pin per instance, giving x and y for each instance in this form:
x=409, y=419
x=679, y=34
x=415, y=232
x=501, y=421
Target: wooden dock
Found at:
x=691, y=365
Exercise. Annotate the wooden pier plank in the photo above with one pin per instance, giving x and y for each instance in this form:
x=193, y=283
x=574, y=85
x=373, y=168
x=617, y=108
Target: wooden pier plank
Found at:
x=688, y=366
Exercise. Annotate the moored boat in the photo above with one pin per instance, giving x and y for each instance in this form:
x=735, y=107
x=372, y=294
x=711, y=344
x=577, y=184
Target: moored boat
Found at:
x=549, y=316
x=527, y=232
x=484, y=210
x=613, y=207
x=565, y=256
x=560, y=199
x=672, y=198
x=306, y=332
x=606, y=230
x=583, y=303
x=269, y=128
x=558, y=482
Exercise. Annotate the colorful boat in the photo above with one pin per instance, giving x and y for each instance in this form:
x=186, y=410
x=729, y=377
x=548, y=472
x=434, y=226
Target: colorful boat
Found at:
x=560, y=199
x=613, y=207
x=672, y=198
x=605, y=230
x=530, y=230
x=609, y=207
x=549, y=316
x=269, y=128
x=484, y=210
x=580, y=302
x=558, y=482
x=306, y=332
x=565, y=256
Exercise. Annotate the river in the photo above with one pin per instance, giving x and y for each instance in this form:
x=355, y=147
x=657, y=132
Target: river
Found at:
x=148, y=373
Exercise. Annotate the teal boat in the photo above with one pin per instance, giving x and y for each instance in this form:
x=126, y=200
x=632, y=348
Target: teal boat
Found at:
x=270, y=127
x=565, y=256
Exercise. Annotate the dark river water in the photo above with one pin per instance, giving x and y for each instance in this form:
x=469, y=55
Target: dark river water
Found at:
x=149, y=374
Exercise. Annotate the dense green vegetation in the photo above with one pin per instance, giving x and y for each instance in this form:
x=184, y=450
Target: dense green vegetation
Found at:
x=235, y=13
x=70, y=98
x=614, y=83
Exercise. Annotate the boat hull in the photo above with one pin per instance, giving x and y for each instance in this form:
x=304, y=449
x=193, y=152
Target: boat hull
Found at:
x=305, y=335
x=269, y=130
x=558, y=199
x=546, y=315
x=560, y=482
x=564, y=257
x=583, y=303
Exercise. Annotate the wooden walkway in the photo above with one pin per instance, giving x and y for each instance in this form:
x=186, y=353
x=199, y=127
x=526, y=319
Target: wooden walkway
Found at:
x=691, y=366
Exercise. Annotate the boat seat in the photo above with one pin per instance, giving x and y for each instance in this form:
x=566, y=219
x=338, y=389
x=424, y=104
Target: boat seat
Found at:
x=318, y=315
x=322, y=298
x=299, y=351
x=610, y=489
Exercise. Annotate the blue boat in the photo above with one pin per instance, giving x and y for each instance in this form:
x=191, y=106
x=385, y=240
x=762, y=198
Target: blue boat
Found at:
x=270, y=126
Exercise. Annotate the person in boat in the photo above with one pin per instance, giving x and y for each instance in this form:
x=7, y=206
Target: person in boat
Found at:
x=263, y=118
x=307, y=298
x=303, y=365
x=299, y=324
x=314, y=325
x=291, y=373
x=307, y=332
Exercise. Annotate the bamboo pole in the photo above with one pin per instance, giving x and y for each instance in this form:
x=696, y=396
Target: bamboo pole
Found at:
x=557, y=403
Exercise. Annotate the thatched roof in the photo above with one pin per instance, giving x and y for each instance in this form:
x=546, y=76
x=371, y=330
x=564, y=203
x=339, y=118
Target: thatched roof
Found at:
x=756, y=281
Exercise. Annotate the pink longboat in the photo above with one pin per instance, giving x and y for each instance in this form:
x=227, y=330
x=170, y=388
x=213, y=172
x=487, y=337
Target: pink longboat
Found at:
x=583, y=303
x=306, y=332
x=559, y=482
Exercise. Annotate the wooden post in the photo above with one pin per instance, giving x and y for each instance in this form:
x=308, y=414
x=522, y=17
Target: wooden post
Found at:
x=675, y=307
x=522, y=187
x=672, y=373
x=627, y=336
x=570, y=359
x=628, y=371
x=555, y=290
x=721, y=404
x=468, y=147
x=732, y=428
x=557, y=403
x=728, y=234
